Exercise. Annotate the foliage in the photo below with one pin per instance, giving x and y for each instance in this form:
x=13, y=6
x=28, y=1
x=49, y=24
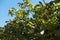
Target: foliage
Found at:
x=44, y=24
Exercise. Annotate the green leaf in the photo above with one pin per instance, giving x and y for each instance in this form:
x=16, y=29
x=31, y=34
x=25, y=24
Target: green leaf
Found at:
x=57, y=4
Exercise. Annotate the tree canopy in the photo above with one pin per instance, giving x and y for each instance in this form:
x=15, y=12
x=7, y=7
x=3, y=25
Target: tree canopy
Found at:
x=44, y=24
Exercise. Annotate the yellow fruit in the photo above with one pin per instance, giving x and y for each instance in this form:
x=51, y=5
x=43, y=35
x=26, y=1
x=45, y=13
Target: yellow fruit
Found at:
x=33, y=6
x=21, y=14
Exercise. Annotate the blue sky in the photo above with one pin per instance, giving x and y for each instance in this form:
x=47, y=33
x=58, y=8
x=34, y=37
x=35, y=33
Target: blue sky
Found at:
x=5, y=5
